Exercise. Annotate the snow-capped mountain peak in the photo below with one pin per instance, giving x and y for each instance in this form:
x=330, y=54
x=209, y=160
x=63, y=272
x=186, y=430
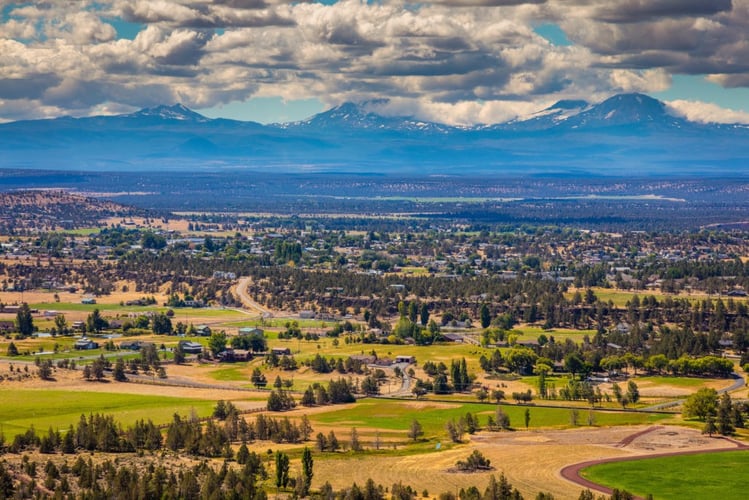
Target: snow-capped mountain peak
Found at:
x=178, y=112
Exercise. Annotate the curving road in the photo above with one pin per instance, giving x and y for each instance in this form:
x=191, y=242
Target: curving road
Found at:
x=738, y=383
x=572, y=472
x=240, y=290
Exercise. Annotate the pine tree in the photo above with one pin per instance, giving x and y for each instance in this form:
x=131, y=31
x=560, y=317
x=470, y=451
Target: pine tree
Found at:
x=725, y=414
x=710, y=428
x=24, y=321
x=119, y=370
x=333, y=442
x=424, y=315
x=12, y=349
x=307, y=473
x=415, y=431
x=485, y=316
x=282, y=470
x=355, y=445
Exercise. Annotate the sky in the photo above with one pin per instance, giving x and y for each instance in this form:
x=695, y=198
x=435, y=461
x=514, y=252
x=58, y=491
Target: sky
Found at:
x=450, y=61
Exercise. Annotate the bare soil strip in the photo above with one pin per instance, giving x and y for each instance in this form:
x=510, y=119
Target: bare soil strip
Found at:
x=629, y=439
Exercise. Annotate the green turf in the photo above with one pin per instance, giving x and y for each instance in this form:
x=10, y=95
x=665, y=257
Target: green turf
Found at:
x=710, y=475
x=20, y=409
x=397, y=415
x=685, y=382
x=559, y=334
x=232, y=373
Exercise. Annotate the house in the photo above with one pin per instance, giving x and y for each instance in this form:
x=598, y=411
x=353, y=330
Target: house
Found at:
x=78, y=325
x=191, y=347
x=623, y=328
x=365, y=359
x=384, y=362
x=281, y=351
x=405, y=359
x=247, y=331
x=88, y=300
x=85, y=344
x=452, y=337
x=223, y=275
x=234, y=355
x=203, y=330
x=132, y=345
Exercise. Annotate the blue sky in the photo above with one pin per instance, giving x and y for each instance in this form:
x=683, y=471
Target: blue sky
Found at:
x=453, y=61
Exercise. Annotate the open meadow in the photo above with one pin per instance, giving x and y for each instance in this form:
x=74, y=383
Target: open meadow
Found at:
x=711, y=475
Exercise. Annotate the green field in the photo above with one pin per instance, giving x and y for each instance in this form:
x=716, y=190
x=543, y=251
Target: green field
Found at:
x=559, y=334
x=685, y=382
x=397, y=415
x=20, y=409
x=710, y=475
x=281, y=323
x=236, y=372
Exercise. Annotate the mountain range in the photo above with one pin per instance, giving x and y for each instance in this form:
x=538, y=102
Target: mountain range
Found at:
x=625, y=134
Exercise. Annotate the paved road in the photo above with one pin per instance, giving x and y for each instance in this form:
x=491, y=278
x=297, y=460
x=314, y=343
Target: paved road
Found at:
x=405, y=388
x=738, y=383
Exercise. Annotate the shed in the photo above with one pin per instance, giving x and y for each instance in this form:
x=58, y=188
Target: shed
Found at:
x=405, y=359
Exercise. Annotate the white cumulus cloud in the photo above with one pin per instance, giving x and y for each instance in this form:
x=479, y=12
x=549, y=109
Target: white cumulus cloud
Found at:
x=704, y=112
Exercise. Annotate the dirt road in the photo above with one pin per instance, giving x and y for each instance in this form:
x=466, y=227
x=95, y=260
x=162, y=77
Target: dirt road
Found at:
x=241, y=291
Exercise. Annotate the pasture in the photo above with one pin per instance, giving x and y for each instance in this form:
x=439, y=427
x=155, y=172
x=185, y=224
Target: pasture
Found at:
x=709, y=475
x=42, y=409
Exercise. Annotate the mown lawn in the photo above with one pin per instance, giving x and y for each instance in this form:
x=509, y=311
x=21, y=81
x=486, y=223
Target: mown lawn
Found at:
x=559, y=334
x=20, y=409
x=398, y=415
x=710, y=475
x=685, y=382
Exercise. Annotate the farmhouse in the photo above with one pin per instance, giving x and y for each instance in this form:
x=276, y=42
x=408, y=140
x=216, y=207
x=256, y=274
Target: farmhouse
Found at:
x=247, y=331
x=191, y=347
x=405, y=359
x=132, y=345
x=203, y=330
x=452, y=337
x=280, y=351
x=234, y=355
x=85, y=344
x=366, y=359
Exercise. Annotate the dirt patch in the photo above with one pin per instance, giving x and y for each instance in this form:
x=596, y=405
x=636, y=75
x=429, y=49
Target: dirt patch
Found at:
x=72, y=380
x=653, y=441
x=531, y=460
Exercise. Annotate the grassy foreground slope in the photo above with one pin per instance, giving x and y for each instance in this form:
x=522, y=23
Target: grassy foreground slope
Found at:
x=58, y=409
